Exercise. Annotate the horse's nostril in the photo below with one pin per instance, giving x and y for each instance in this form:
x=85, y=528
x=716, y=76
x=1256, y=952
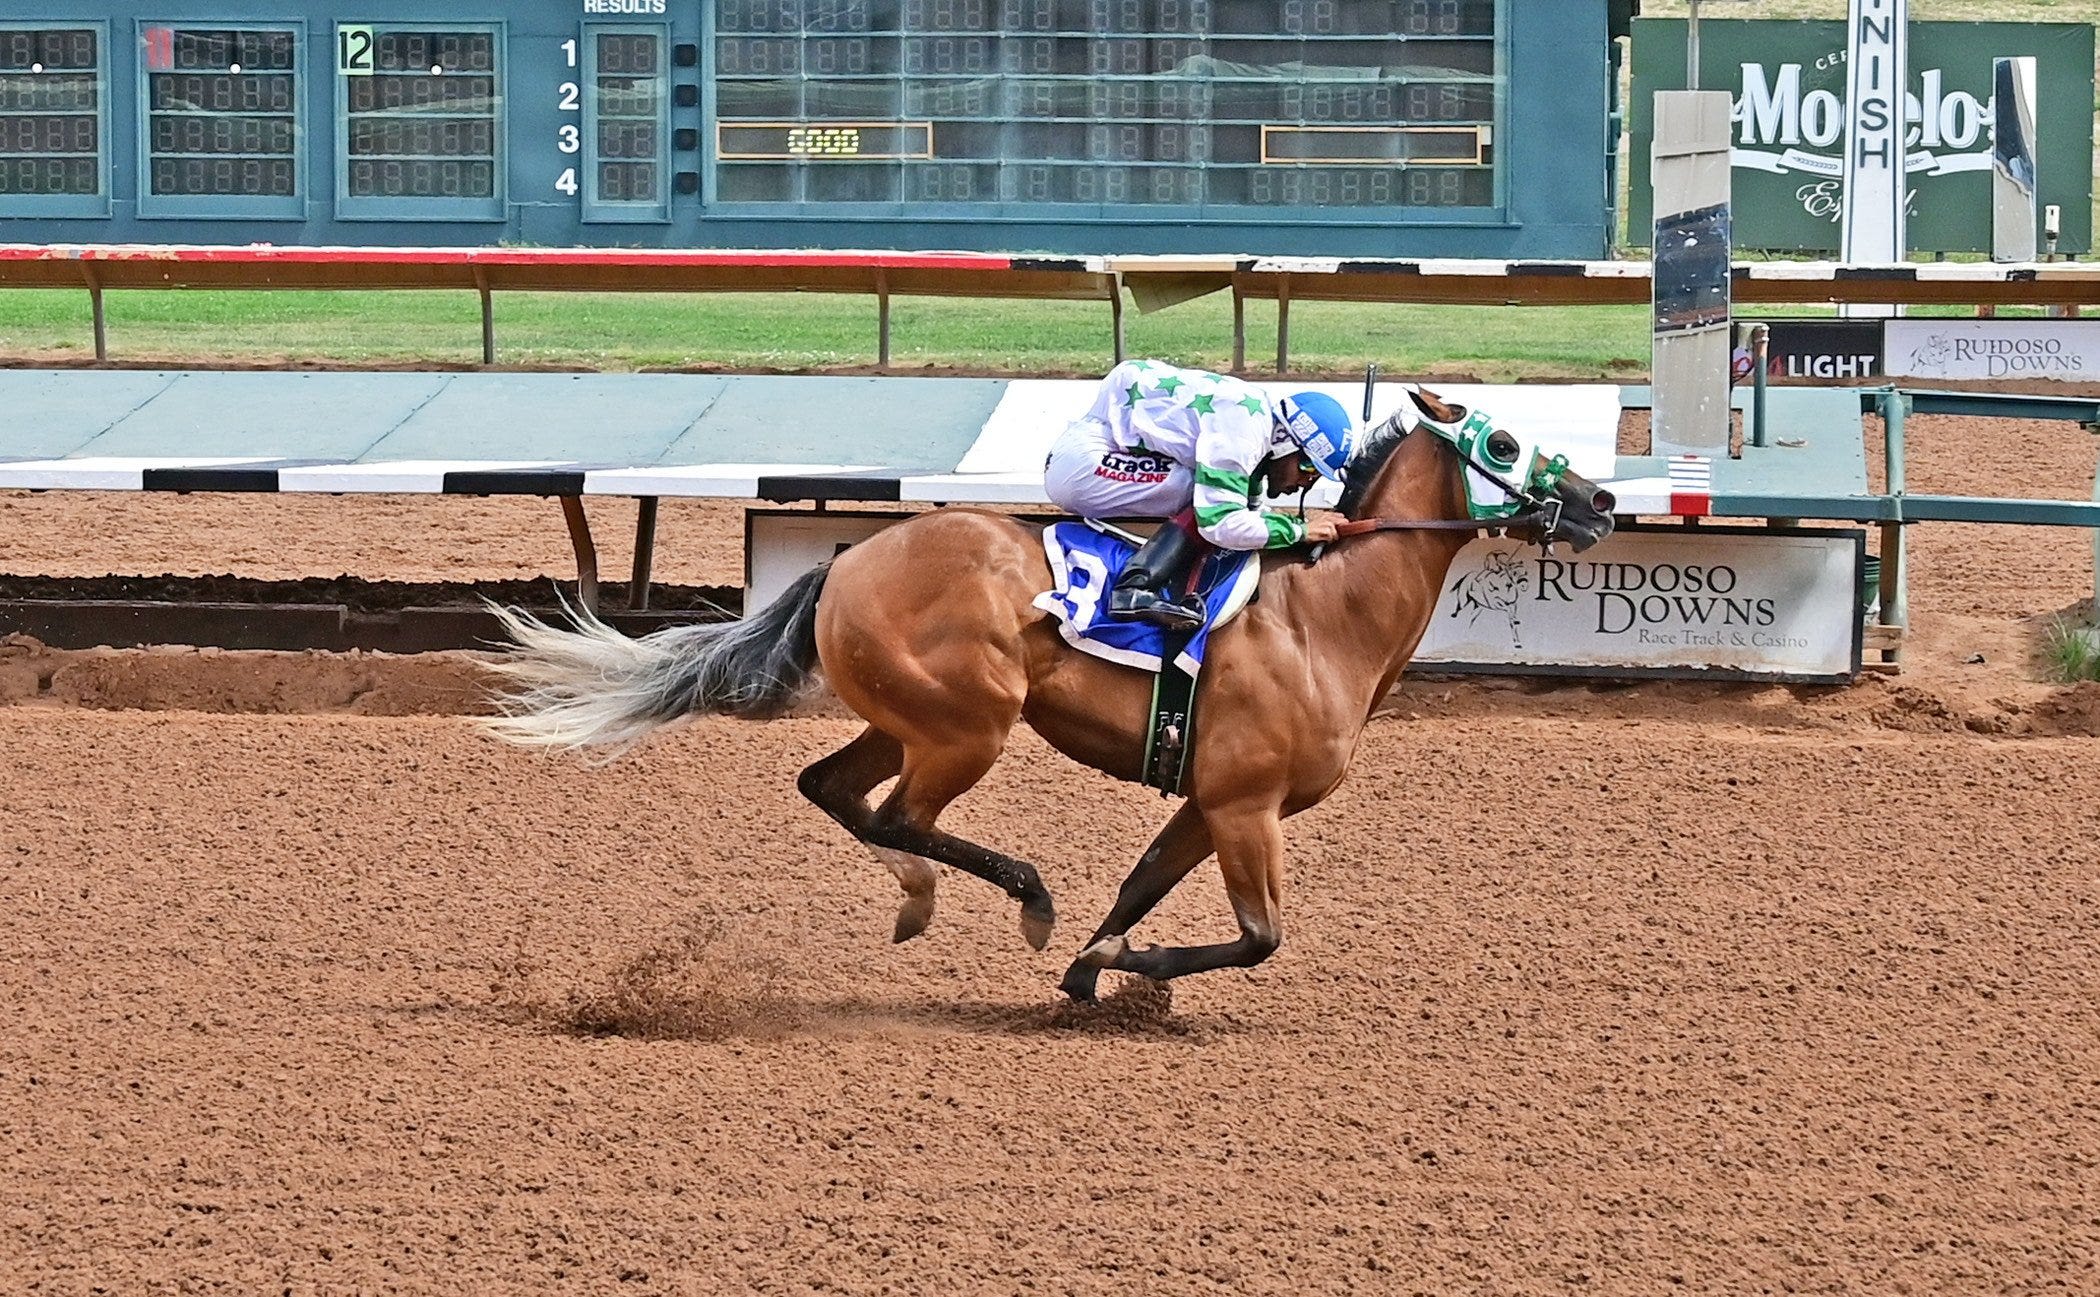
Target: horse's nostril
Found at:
x=1604, y=502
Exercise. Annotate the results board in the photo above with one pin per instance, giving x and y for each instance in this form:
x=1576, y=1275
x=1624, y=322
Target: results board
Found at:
x=1303, y=103
x=1243, y=125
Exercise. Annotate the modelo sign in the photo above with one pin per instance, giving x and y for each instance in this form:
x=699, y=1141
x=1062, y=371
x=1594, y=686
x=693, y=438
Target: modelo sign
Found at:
x=1788, y=79
x=1702, y=602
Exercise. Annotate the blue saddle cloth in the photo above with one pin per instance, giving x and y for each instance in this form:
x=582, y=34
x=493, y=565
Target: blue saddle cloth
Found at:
x=1084, y=564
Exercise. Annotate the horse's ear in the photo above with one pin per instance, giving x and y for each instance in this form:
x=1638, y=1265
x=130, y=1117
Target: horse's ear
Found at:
x=1435, y=407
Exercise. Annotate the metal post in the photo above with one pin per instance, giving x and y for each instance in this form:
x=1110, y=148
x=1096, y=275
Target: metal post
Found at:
x=883, y=328
x=488, y=316
x=1895, y=406
x=2096, y=557
x=1761, y=356
x=644, y=552
x=1115, y=311
x=882, y=320
x=1895, y=583
x=586, y=552
x=1239, y=328
x=1283, y=327
x=94, y=283
x=1691, y=48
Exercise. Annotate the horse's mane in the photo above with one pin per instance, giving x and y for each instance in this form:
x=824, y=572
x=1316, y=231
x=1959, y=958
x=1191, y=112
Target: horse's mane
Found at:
x=1364, y=466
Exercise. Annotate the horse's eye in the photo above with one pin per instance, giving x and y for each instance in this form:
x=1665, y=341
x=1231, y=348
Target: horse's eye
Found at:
x=1501, y=447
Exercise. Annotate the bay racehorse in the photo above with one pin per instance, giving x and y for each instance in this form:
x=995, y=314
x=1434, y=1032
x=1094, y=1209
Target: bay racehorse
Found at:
x=928, y=632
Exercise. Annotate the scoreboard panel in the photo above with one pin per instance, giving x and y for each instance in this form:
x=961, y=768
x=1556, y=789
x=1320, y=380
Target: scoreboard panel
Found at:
x=1313, y=127
x=420, y=134
x=1312, y=104
x=54, y=97
x=220, y=130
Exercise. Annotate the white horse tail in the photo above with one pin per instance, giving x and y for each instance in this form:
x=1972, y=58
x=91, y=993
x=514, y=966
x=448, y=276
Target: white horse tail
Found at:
x=594, y=687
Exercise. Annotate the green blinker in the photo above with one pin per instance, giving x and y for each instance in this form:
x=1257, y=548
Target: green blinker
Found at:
x=1470, y=436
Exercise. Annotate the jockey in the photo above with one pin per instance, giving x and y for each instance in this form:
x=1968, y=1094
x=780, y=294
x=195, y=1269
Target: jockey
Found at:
x=1197, y=449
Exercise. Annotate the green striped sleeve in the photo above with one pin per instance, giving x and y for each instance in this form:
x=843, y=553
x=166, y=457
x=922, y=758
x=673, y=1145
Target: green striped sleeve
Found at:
x=1220, y=479
x=1284, y=530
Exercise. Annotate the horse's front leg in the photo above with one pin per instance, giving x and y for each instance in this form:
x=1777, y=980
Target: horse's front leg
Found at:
x=1180, y=847
x=1249, y=843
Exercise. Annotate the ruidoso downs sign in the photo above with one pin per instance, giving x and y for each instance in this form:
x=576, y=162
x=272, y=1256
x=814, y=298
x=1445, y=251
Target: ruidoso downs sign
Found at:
x=1703, y=602
x=1788, y=80
x=2050, y=350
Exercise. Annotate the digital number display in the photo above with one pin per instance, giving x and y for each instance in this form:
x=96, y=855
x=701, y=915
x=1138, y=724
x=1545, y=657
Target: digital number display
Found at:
x=50, y=111
x=222, y=112
x=627, y=127
x=1297, y=103
x=423, y=112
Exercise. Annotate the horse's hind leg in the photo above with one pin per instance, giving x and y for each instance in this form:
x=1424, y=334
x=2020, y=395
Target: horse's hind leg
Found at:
x=935, y=775
x=839, y=785
x=1180, y=847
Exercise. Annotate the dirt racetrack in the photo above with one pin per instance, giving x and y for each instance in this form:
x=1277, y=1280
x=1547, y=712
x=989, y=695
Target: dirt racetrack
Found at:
x=1619, y=991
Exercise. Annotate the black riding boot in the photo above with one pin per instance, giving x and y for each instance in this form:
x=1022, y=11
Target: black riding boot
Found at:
x=1154, y=587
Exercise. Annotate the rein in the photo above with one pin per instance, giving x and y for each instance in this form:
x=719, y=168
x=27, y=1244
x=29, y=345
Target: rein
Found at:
x=1365, y=526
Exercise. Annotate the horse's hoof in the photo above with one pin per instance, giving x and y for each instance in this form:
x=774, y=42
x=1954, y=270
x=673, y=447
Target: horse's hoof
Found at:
x=1105, y=952
x=1036, y=925
x=912, y=917
x=1079, y=983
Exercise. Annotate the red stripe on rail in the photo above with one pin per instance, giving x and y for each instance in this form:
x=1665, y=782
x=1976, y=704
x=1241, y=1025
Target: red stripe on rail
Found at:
x=670, y=257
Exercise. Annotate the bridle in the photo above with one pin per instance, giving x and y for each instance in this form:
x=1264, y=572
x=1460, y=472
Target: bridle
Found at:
x=1539, y=509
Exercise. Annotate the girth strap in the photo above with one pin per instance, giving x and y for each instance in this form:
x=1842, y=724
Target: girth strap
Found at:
x=1170, y=730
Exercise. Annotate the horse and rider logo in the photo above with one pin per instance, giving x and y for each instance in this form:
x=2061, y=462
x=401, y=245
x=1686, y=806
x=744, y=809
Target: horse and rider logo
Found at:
x=1933, y=355
x=1497, y=588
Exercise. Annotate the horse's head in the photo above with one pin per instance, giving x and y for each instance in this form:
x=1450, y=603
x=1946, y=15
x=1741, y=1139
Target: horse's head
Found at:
x=1508, y=476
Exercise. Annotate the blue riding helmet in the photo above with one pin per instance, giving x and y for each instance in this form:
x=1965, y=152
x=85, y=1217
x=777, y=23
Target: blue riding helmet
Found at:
x=1318, y=425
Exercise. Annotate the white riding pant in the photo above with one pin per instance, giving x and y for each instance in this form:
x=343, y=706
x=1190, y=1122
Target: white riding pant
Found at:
x=1089, y=475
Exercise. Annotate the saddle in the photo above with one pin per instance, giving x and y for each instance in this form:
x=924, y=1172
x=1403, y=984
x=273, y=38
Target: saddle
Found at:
x=1085, y=560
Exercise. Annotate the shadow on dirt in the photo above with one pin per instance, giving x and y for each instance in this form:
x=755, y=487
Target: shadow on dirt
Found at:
x=1136, y=1009
x=705, y=983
